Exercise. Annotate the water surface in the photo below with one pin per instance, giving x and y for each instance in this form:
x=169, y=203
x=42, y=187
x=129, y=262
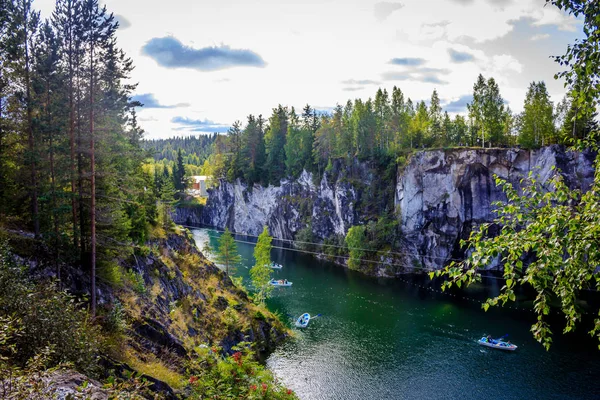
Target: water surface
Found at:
x=390, y=339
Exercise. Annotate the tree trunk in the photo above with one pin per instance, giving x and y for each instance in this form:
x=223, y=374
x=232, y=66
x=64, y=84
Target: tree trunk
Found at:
x=76, y=235
x=31, y=142
x=93, y=183
x=53, y=185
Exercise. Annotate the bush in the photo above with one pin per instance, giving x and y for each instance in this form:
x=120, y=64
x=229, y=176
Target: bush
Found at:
x=45, y=318
x=110, y=273
x=137, y=282
x=234, y=377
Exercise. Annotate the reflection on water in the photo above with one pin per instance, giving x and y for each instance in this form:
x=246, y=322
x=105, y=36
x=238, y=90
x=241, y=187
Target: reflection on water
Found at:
x=387, y=339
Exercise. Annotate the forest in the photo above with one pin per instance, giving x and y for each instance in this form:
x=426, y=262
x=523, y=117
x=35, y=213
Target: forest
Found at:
x=389, y=126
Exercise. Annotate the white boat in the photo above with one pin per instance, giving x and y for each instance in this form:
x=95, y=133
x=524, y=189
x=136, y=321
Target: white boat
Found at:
x=497, y=344
x=280, y=282
x=303, y=320
x=276, y=266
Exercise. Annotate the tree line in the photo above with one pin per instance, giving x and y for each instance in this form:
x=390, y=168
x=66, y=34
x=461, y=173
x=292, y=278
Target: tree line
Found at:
x=71, y=164
x=268, y=150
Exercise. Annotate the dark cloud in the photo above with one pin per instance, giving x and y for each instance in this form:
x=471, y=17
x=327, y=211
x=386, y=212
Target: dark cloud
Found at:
x=198, y=125
x=171, y=53
x=352, y=88
x=408, y=61
x=460, y=56
x=123, y=22
x=149, y=101
x=360, y=82
x=459, y=105
x=384, y=9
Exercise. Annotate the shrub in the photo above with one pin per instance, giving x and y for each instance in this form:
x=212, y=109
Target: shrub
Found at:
x=111, y=273
x=45, y=319
x=234, y=377
x=137, y=282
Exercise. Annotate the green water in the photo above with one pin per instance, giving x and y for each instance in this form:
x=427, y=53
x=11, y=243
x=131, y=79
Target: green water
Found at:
x=390, y=339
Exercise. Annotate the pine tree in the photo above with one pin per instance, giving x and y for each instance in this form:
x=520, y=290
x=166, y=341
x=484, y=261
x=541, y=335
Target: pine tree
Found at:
x=22, y=29
x=274, y=144
x=537, y=119
x=435, y=131
x=493, y=113
x=227, y=254
x=261, y=271
x=476, y=109
x=67, y=22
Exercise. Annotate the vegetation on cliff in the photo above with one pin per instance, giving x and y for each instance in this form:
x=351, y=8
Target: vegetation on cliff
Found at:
x=549, y=239
x=93, y=274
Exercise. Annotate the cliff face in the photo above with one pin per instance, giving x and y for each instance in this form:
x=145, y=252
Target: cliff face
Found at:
x=443, y=195
x=329, y=206
x=440, y=197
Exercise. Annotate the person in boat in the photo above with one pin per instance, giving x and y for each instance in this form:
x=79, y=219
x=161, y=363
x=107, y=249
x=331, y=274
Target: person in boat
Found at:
x=489, y=338
x=285, y=281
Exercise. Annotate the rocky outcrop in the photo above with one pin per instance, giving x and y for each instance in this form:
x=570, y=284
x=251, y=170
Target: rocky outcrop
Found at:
x=443, y=195
x=187, y=215
x=329, y=206
x=440, y=197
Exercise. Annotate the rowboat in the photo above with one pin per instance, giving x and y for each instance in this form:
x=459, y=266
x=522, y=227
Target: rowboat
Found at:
x=276, y=266
x=280, y=282
x=303, y=320
x=497, y=344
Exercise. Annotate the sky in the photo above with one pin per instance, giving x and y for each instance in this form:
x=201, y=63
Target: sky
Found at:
x=203, y=64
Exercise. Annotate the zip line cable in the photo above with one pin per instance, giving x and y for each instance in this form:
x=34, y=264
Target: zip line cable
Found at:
x=334, y=245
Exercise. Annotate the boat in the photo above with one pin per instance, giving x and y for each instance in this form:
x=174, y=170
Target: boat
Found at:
x=497, y=344
x=303, y=320
x=276, y=266
x=280, y=282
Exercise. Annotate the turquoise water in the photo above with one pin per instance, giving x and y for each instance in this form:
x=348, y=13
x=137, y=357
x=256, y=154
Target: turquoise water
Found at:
x=390, y=339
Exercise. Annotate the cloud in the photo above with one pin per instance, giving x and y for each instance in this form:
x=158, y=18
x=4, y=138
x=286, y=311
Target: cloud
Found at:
x=395, y=76
x=464, y=2
x=384, y=9
x=460, y=104
x=460, y=56
x=540, y=36
x=408, y=61
x=149, y=101
x=360, y=82
x=198, y=125
x=431, y=78
x=353, y=88
x=123, y=22
x=171, y=53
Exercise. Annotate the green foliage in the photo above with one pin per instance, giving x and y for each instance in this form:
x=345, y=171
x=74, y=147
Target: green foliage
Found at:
x=581, y=58
x=558, y=229
x=136, y=280
x=537, y=120
x=227, y=254
x=47, y=321
x=355, y=240
x=110, y=273
x=115, y=319
x=237, y=376
x=261, y=271
x=304, y=238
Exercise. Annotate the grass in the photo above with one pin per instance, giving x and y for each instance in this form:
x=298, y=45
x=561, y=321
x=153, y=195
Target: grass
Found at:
x=155, y=368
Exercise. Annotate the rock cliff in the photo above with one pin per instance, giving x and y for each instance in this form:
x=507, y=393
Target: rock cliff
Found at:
x=440, y=196
x=329, y=206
